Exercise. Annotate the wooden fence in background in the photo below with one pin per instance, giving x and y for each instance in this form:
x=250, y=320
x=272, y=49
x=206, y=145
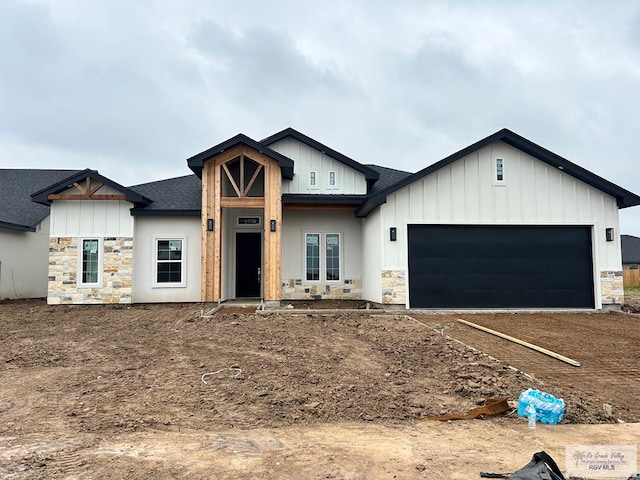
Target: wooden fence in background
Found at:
x=631, y=278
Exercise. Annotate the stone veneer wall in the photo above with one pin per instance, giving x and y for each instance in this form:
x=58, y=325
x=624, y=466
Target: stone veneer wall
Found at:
x=394, y=289
x=296, y=289
x=117, y=272
x=611, y=286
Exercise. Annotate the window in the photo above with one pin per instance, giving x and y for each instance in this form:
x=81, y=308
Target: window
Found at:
x=90, y=261
x=333, y=180
x=313, y=256
x=499, y=170
x=169, y=262
x=313, y=179
x=332, y=249
x=328, y=262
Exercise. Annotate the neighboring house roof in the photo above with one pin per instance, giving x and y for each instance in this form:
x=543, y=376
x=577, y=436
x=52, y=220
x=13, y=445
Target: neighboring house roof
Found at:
x=388, y=177
x=369, y=173
x=66, y=183
x=173, y=196
x=17, y=211
x=623, y=197
x=286, y=164
x=630, y=249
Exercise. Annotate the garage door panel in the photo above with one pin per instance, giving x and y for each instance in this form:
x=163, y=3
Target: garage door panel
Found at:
x=510, y=282
x=482, y=265
x=454, y=266
x=460, y=250
x=510, y=299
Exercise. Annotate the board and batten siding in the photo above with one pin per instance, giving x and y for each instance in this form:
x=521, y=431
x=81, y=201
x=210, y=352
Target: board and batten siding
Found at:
x=349, y=181
x=532, y=193
x=147, y=231
x=97, y=218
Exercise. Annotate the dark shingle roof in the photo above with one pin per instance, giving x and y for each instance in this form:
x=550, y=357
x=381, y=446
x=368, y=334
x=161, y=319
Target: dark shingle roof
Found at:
x=388, y=177
x=173, y=196
x=630, y=249
x=17, y=211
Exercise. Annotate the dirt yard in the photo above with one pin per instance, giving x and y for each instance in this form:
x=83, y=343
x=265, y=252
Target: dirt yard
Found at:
x=157, y=391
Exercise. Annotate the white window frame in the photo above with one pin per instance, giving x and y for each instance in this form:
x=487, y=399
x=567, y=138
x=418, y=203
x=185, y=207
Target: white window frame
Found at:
x=503, y=165
x=100, y=253
x=155, y=260
x=335, y=178
x=322, y=256
x=314, y=174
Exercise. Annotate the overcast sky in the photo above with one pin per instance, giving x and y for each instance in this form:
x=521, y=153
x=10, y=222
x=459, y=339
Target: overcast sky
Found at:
x=134, y=88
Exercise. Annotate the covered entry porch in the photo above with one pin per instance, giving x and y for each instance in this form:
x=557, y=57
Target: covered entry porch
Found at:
x=241, y=220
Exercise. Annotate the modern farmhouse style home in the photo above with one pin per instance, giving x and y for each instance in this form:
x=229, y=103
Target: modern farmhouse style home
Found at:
x=503, y=223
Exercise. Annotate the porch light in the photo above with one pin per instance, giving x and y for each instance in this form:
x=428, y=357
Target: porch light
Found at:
x=210, y=224
x=393, y=234
x=272, y=225
x=609, y=234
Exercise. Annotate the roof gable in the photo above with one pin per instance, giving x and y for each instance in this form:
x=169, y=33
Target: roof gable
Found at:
x=130, y=195
x=624, y=198
x=369, y=173
x=630, y=249
x=18, y=212
x=196, y=162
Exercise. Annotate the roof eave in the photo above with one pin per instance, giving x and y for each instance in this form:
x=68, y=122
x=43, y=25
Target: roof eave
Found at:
x=42, y=195
x=624, y=198
x=18, y=227
x=143, y=212
x=369, y=173
x=316, y=199
x=196, y=162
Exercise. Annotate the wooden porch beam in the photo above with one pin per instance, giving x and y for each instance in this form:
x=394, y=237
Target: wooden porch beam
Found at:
x=244, y=202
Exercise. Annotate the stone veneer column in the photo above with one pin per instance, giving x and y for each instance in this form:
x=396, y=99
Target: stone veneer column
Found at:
x=394, y=289
x=611, y=287
x=117, y=272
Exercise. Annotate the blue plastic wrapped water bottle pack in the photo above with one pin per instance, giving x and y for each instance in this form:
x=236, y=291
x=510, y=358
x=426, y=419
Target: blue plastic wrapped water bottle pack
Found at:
x=549, y=409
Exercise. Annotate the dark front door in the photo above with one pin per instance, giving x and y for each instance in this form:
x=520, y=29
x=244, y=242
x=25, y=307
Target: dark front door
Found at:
x=248, y=264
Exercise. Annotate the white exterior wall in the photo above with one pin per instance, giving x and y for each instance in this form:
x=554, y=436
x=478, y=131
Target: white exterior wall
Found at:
x=147, y=230
x=24, y=260
x=349, y=181
x=295, y=224
x=372, y=245
x=533, y=193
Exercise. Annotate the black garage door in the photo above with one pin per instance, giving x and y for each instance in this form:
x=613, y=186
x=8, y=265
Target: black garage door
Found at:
x=477, y=266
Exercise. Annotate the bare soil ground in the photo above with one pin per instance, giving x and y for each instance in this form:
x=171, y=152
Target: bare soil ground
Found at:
x=157, y=391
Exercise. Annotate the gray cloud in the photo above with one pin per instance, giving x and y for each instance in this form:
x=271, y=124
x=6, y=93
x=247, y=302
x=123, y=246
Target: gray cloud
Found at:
x=132, y=89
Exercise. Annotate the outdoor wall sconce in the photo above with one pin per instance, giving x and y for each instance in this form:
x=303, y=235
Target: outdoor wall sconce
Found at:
x=210, y=224
x=272, y=225
x=609, y=234
x=393, y=234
